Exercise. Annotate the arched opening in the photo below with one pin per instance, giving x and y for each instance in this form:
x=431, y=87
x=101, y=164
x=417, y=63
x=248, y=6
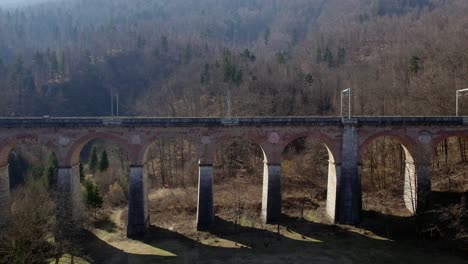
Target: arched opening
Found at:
x=449, y=187
x=237, y=181
x=388, y=177
x=103, y=168
x=450, y=165
x=171, y=167
x=307, y=169
x=26, y=159
x=26, y=197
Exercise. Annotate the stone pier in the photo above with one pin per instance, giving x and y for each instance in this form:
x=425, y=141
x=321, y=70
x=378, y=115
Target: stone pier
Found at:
x=333, y=174
x=423, y=184
x=205, y=210
x=345, y=138
x=68, y=200
x=349, y=184
x=138, y=217
x=409, y=193
x=4, y=193
x=271, y=199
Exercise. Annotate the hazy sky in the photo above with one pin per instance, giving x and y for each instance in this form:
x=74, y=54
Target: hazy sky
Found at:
x=19, y=2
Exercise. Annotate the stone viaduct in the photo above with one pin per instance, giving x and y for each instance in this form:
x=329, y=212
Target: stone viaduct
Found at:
x=345, y=139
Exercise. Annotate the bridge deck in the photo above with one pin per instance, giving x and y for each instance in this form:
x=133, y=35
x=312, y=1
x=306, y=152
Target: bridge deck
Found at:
x=33, y=122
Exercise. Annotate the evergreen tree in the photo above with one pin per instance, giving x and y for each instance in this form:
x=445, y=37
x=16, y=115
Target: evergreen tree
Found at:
x=341, y=56
x=266, y=36
x=281, y=57
x=164, y=44
x=141, y=42
x=51, y=171
x=186, y=55
x=319, y=56
x=103, y=161
x=415, y=64
x=92, y=196
x=205, y=75
x=93, y=160
x=328, y=57
x=82, y=175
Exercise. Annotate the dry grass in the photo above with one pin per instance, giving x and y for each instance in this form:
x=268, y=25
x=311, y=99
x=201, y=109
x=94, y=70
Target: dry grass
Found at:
x=172, y=237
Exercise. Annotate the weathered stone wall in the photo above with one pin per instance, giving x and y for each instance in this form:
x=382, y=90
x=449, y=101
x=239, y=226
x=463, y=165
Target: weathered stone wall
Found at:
x=4, y=194
x=409, y=192
x=349, y=184
x=334, y=171
x=271, y=197
x=138, y=217
x=344, y=138
x=76, y=195
x=205, y=209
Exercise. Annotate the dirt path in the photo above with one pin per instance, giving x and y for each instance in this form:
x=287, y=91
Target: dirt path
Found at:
x=176, y=241
x=116, y=237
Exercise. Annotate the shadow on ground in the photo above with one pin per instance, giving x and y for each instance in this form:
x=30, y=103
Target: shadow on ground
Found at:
x=298, y=241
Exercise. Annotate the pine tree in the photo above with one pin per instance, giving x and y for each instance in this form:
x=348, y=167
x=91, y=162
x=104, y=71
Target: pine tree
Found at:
x=92, y=196
x=51, y=171
x=93, y=160
x=319, y=56
x=415, y=64
x=82, y=175
x=341, y=56
x=328, y=57
x=103, y=161
x=266, y=36
x=97, y=200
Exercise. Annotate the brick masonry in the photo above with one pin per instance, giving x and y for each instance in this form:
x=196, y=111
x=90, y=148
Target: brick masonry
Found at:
x=345, y=140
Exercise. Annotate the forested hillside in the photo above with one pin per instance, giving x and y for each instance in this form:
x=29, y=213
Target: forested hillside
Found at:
x=181, y=57
x=271, y=58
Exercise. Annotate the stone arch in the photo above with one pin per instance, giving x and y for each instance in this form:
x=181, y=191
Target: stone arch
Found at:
x=7, y=146
x=332, y=147
x=73, y=156
x=10, y=143
x=229, y=140
x=445, y=135
x=145, y=154
x=406, y=142
x=268, y=192
x=449, y=157
x=411, y=170
x=144, y=151
x=333, y=166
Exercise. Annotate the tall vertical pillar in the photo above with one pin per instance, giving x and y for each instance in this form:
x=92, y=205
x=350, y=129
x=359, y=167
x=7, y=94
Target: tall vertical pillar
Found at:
x=418, y=173
x=68, y=200
x=4, y=193
x=334, y=171
x=348, y=202
x=271, y=200
x=423, y=184
x=409, y=193
x=205, y=210
x=138, y=217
